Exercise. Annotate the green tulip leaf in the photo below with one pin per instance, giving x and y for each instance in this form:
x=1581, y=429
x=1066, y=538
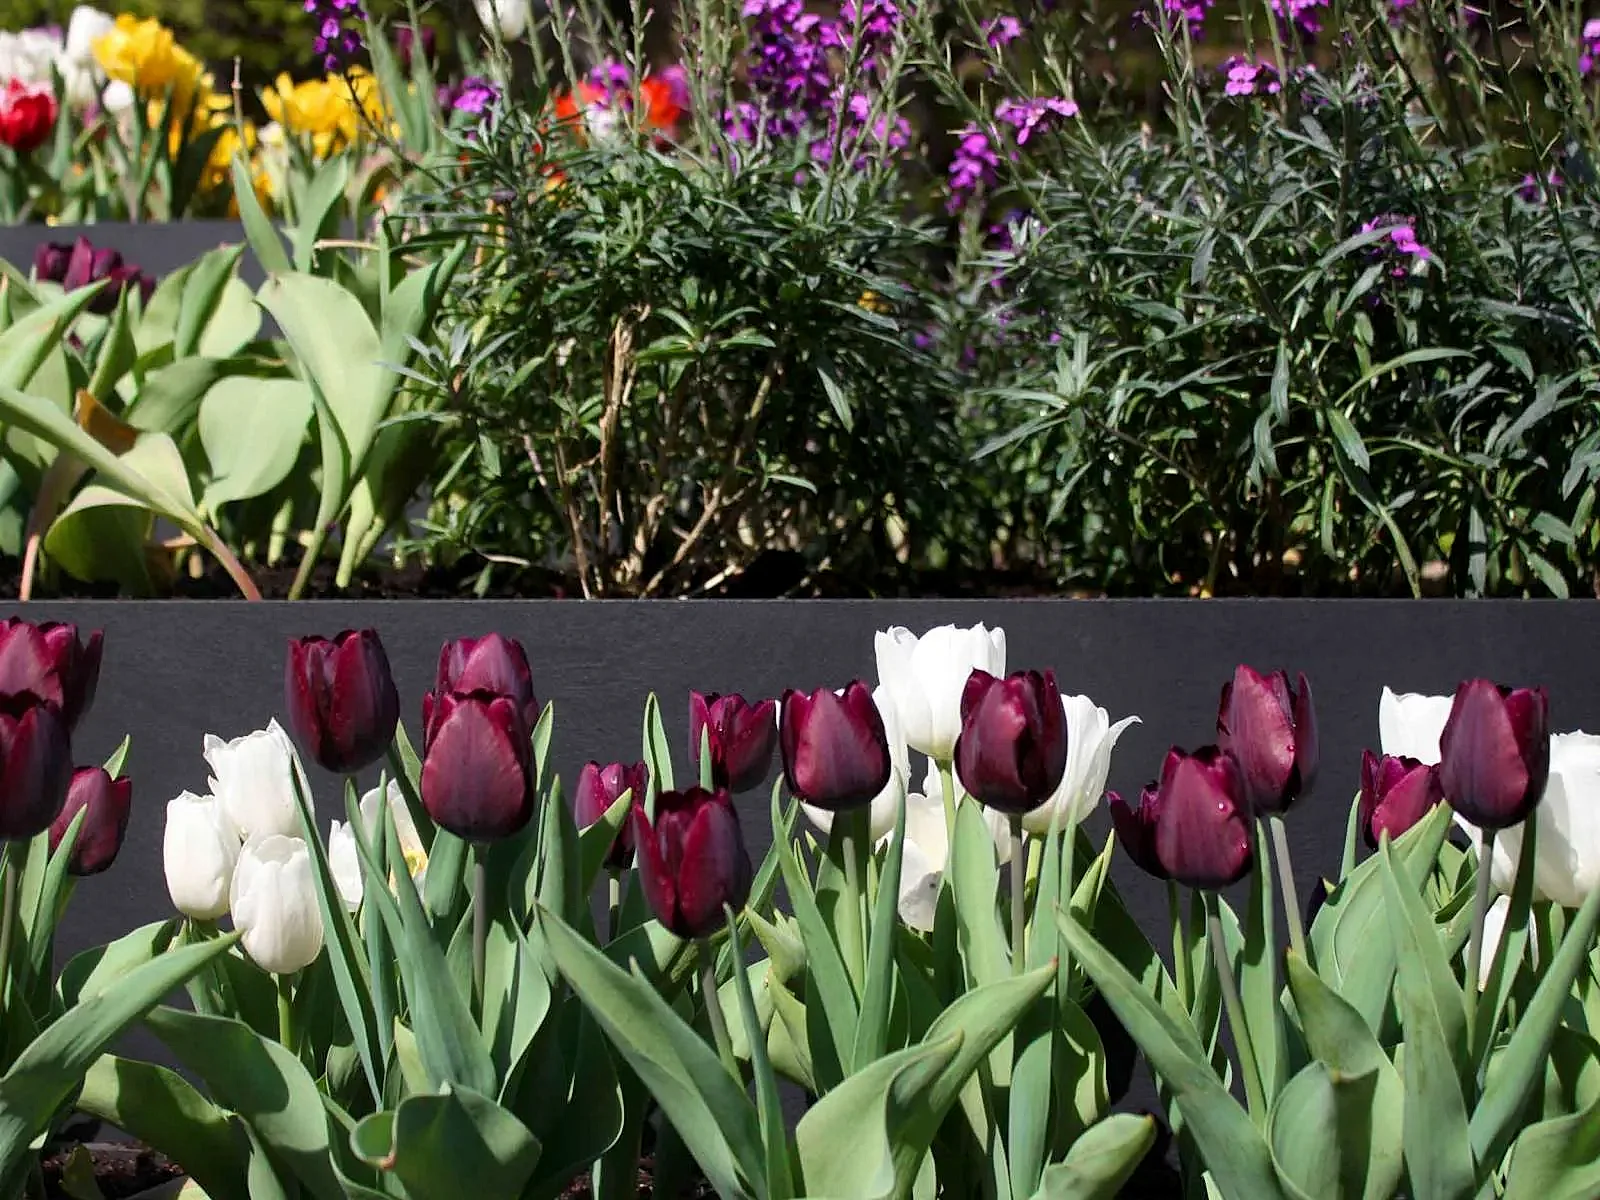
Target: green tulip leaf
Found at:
x=1509, y=950
x=252, y=431
x=165, y=399
x=1230, y=1144
x=711, y=1113
x=40, y=933
x=657, y=753
x=163, y=1110
x=1322, y=1131
x=1438, y=1152
x=93, y=971
x=27, y=343
x=1259, y=986
x=872, y=1026
x=769, y=1110
x=265, y=243
x=596, y=840
x=1558, y=1159
x=447, y=1146
x=1100, y=1161
x=573, y=1098
x=117, y=353
x=831, y=1001
x=201, y=295
x=516, y=997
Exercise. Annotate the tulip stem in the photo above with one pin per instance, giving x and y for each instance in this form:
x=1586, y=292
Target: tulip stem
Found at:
x=1019, y=902
x=286, y=1013
x=1291, y=894
x=719, y=1025
x=8, y=921
x=947, y=788
x=1480, y=911
x=480, y=919
x=613, y=904
x=1180, y=946
x=853, y=841
x=1254, y=1096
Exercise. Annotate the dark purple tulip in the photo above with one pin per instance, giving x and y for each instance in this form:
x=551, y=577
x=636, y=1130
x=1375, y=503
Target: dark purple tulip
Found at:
x=48, y=660
x=86, y=265
x=106, y=803
x=491, y=663
x=1136, y=828
x=692, y=861
x=405, y=44
x=35, y=765
x=50, y=262
x=1270, y=728
x=1495, y=752
x=1012, y=750
x=477, y=766
x=742, y=737
x=1396, y=793
x=598, y=789
x=835, y=750
x=341, y=698
x=1203, y=830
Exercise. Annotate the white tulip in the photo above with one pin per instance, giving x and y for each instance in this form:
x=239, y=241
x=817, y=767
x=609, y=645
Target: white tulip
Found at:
x=80, y=71
x=28, y=56
x=274, y=902
x=511, y=16
x=886, y=804
x=255, y=782
x=925, y=677
x=1090, y=739
x=1409, y=725
x=117, y=98
x=344, y=861
x=927, y=849
x=199, y=849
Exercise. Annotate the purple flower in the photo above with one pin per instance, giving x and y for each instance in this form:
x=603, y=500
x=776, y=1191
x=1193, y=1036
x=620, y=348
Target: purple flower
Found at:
x=1531, y=190
x=1246, y=78
x=1402, y=243
x=1192, y=11
x=972, y=169
x=339, y=24
x=473, y=95
x=1590, y=50
x=1303, y=13
x=1002, y=30
x=1030, y=116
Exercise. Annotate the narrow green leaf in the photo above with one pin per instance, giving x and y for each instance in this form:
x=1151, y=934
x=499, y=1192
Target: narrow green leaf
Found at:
x=264, y=241
x=872, y=1025
x=830, y=997
x=769, y=1110
x=202, y=293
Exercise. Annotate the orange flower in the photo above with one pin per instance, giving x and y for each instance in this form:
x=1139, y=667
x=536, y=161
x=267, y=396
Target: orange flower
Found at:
x=661, y=108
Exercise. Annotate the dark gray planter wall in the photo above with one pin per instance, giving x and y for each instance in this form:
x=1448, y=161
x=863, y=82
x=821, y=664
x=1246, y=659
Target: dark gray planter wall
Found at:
x=159, y=248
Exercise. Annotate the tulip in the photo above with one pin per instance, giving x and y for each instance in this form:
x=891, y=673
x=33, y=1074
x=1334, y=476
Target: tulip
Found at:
x=927, y=850
x=50, y=263
x=341, y=698
x=598, y=789
x=254, y=778
x=1396, y=793
x=1495, y=752
x=200, y=849
x=344, y=861
x=741, y=737
x=692, y=860
x=885, y=806
x=87, y=265
x=491, y=663
x=1203, y=823
x=1012, y=752
x=1136, y=829
x=81, y=75
x=105, y=803
x=1270, y=729
x=1409, y=725
x=48, y=660
x=1090, y=739
x=274, y=904
x=35, y=765
x=477, y=766
x=406, y=41
x=925, y=678
x=835, y=750
x=509, y=16
x=27, y=115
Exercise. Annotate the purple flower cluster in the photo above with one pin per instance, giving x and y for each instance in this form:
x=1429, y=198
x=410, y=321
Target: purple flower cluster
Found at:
x=1589, y=52
x=1028, y=117
x=1306, y=14
x=973, y=167
x=788, y=70
x=878, y=20
x=1403, y=243
x=1001, y=31
x=1191, y=11
x=338, y=24
x=1533, y=193
x=474, y=95
x=1247, y=78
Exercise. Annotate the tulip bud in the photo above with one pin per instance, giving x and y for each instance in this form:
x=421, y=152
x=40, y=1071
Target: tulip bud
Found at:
x=274, y=904
x=199, y=848
x=1396, y=793
x=253, y=777
x=105, y=803
x=1409, y=725
x=1495, y=752
x=341, y=699
x=693, y=860
x=1012, y=752
x=1203, y=828
x=477, y=766
x=344, y=860
x=1136, y=829
x=884, y=808
x=835, y=748
x=1271, y=731
x=598, y=789
x=48, y=660
x=491, y=663
x=925, y=676
x=741, y=736
x=50, y=261
x=28, y=114
x=35, y=765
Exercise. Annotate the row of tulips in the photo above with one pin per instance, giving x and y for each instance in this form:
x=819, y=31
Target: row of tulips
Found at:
x=947, y=980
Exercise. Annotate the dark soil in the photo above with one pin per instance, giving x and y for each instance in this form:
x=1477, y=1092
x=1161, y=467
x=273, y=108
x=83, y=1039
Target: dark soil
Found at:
x=119, y=1170
x=582, y=1188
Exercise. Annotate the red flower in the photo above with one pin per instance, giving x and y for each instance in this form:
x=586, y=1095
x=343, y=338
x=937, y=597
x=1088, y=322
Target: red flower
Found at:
x=27, y=115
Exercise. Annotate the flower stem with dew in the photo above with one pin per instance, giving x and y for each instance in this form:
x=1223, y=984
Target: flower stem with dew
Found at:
x=947, y=788
x=1291, y=895
x=1181, y=950
x=286, y=1030
x=1254, y=1096
x=8, y=921
x=613, y=904
x=1019, y=903
x=480, y=918
x=1480, y=911
x=719, y=1025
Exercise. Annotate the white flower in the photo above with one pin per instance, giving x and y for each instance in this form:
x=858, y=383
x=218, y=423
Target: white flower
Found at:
x=1566, y=866
x=274, y=902
x=1409, y=725
x=925, y=677
x=28, y=56
x=344, y=861
x=885, y=805
x=1090, y=739
x=253, y=780
x=199, y=849
x=81, y=75
x=511, y=16
x=927, y=849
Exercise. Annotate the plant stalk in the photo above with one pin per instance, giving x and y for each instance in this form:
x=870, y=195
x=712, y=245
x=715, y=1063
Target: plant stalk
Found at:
x=1291, y=895
x=1255, y=1097
x=8, y=923
x=719, y=1026
x=853, y=835
x=1019, y=902
x=480, y=919
x=1480, y=910
x=947, y=788
x=613, y=904
x=286, y=1032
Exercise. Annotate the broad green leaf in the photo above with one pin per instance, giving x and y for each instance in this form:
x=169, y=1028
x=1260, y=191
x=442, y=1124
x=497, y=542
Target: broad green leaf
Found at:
x=26, y=344
x=1558, y=1159
x=252, y=431
x=167, y=398
x=1258, y=972
x=975, y=880
x=264, y=241
x=1322, y=1128
x=95, y=970
x=449, y=1146
x=202, y=293
x=1100, y=1161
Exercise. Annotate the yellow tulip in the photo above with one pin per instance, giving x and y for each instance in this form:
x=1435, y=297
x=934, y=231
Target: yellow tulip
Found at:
x=146, y=56
x=334, y=110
